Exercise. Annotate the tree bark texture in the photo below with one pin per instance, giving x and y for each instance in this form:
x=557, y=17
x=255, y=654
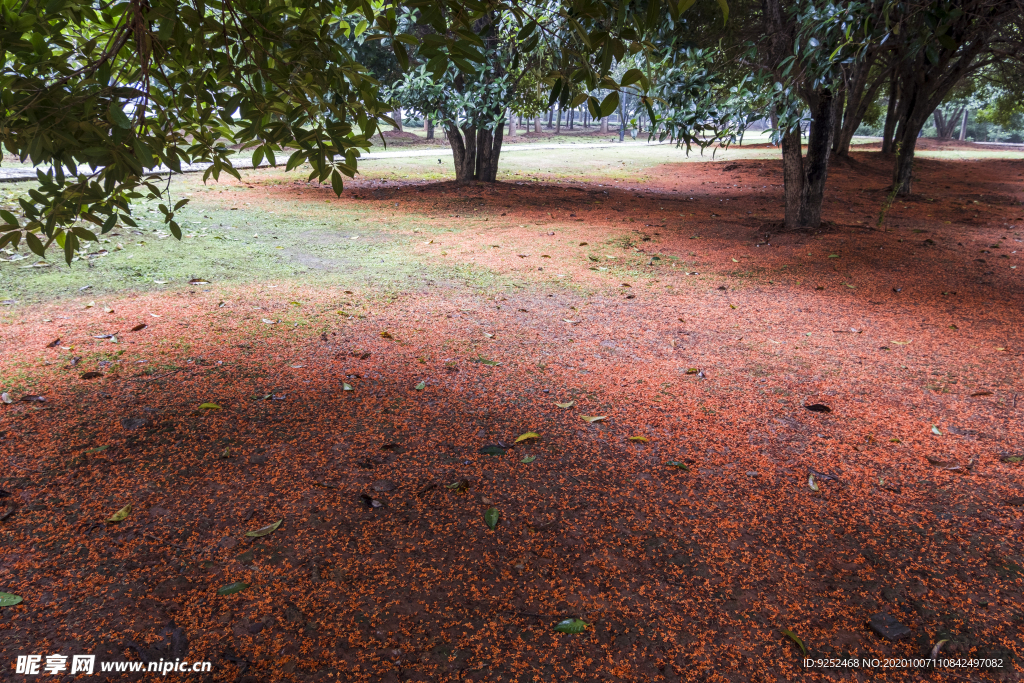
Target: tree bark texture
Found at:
x=945, y=125
x=824, y=106
x=476, y=152
x=924, y=82
x=861, y=91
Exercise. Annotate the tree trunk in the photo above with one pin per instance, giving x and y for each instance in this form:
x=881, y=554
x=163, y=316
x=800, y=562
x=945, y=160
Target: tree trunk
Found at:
x=558, y=128
x=911, y=121
x=397, y=116
x=536, y=123
x=551, y=113
x=963, y=126
x=819, y=146
x=842, y=105
x=604, y=125
x=861, y=96
x=430, y=129
x=890, y=116
x=572, y=117
x=902, y=176
x=476, y=152
x=945, y=126
x=511, y=124
x=792, y=176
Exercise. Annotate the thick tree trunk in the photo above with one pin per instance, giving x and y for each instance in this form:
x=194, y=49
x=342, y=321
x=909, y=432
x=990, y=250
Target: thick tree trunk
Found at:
x=558, y=126
x=430, y=129
x=511, y=124
x=815, y=166
x=604, y=124
x=902, y=176
x=493, y=156
x=397, y=116
x=963, y=126
x=476, y=153
x=536, y=123
x=792, y=176
x=946, y=125
x=551, y=114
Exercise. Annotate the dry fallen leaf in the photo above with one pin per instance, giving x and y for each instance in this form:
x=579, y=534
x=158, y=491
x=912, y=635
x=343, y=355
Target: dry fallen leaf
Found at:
x=527, y=435
x=599, y=418
x=570, y=404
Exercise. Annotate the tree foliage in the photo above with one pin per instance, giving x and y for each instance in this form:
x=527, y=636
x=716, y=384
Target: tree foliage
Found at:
x=100, y=95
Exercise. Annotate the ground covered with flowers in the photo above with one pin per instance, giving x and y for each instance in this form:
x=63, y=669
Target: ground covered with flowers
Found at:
x=712, y=442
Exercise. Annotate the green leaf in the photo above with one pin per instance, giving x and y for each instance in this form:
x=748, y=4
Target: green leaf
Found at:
x=34, y=244
x=491, y=517
x=641, y=439
x=679, y=465
x=9, y=218
x=630, y=77
x=232, y=588
x=209, y=406
x=421, y=386
x=346, y=387
x=725, y=11
x=9, y=599
x=485, y=361
x=571, y=626
x=935, y=430
x=796, y=639
x=610, y=103
x=121, y=514
x=459, y=486
x=257, y=156
x=527, y=435
x=492, y=450
x=528, y=459
x=98, y=449
x=264, y=531
x=118, y=117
